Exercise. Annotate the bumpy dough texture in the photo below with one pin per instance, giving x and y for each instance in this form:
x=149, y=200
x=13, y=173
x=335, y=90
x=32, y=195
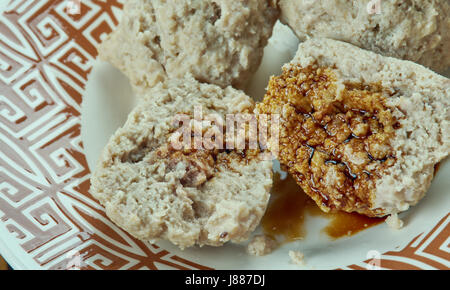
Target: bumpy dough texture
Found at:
x=219, y=42
x=367, y=131
x=334, y=136
x=196, y=197
x=414, y=30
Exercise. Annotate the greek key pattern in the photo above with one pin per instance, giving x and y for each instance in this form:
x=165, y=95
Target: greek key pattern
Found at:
x=46, y=54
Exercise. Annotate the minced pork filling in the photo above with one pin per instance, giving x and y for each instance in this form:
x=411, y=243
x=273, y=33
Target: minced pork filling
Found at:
x=334, y=137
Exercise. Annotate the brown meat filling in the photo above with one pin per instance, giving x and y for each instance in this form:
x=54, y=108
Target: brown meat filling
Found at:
x=200, y=165
x=334, y=139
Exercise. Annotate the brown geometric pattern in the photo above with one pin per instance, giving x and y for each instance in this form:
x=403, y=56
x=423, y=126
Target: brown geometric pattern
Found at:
x=46, y=55
x=430, y=250
x=3, y=265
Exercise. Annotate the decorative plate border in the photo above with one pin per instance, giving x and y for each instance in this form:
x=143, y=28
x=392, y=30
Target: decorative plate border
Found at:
x=46, y=54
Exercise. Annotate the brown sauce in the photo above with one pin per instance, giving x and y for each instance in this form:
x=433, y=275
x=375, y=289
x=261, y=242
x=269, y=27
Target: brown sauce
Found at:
x=290, y=206
x=437, y=166
x=285, y=214
x=345, y=224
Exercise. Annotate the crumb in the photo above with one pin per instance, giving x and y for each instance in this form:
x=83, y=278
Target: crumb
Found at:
x=297, y=257
x=261, y=245
x=394, y=222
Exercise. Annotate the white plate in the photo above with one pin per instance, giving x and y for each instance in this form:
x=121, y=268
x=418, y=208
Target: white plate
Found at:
x=107, y=103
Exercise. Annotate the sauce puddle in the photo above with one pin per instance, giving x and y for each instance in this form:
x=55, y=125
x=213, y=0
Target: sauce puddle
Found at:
x=437, y=166
x=285, y=214
x=289, y=206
